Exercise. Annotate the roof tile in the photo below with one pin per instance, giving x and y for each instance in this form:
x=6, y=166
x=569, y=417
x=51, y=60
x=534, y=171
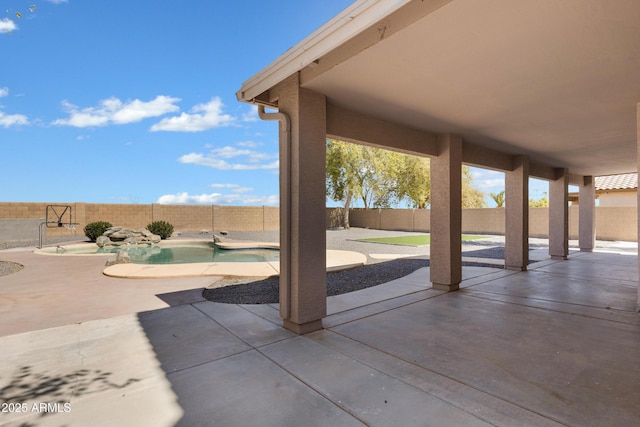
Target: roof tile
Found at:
x=617, y=182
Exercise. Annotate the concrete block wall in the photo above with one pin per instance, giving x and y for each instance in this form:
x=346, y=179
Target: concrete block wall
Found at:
x=396, y=219
x=133, y=216
x=21, y=220
x=483, y=221
x=422, y=220
x=574, y=218
x=195, y=218
x=333, y=217
x=271, y=217
x=238, y=218
x=612, y=223
x=365, y=218
x=539, y=222
x=34, y=211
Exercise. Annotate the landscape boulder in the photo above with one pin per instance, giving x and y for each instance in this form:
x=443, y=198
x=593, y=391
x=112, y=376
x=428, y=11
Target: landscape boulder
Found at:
x=118, y=236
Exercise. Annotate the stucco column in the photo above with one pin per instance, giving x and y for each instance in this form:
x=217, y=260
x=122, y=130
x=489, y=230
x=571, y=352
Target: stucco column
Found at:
x=517, y=215
x=559, y=215
x=303, y=288
x=587, y=215
x=446, y=214
x=638, y=201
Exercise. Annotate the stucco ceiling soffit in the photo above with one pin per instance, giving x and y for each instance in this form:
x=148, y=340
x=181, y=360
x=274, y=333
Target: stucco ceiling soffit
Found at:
x=345, y=26
x=383, y=29
x=555, y=80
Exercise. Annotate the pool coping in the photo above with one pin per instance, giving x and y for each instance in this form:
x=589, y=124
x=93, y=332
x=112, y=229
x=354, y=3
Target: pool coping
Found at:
x=337, y=260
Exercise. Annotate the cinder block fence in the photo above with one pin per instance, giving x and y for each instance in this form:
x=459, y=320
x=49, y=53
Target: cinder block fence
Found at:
x=20, y=221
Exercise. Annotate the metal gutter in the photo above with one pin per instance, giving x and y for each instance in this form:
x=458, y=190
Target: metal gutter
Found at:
x=285, y=206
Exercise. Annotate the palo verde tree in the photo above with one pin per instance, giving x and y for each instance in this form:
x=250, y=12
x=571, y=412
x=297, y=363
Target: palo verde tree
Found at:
x=384, y=179
x=362, y=173
x=414, y=182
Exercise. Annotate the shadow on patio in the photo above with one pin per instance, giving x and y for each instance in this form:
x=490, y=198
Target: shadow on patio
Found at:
x=557, y=344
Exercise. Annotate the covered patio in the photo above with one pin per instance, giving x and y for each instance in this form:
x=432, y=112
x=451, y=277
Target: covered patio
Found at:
x=554, y=345
x=545, y=89
x=538, y=89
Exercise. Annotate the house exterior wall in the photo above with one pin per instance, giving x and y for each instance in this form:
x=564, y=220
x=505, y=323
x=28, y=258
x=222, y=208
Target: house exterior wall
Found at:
x=618, y=198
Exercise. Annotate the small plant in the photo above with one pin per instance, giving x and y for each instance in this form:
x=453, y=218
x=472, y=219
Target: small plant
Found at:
x=161, y=228
x=94, y=230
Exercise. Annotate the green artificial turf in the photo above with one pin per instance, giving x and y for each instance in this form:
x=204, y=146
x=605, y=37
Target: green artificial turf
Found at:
x=420, y=240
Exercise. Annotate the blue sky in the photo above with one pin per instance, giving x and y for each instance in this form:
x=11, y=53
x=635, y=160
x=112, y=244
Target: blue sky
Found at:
x=111, y=101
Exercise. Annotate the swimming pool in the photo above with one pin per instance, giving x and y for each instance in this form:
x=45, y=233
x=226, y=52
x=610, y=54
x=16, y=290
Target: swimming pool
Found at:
x=176, y=252
x=194, y=258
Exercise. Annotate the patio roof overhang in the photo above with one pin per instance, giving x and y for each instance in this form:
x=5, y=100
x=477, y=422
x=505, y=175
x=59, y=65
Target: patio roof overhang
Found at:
x=556, y=80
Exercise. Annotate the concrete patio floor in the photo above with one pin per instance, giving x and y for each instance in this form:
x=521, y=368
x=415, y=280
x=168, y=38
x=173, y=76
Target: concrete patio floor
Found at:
x=557, y=345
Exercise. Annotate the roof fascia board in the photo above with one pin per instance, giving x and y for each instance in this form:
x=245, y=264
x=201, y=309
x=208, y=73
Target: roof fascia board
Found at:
x=342, y=28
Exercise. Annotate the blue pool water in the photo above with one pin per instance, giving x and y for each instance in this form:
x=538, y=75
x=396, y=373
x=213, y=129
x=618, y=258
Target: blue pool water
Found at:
x=184, y=254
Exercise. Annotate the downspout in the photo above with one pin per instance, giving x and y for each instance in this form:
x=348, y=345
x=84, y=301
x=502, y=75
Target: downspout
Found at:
x=285, y=196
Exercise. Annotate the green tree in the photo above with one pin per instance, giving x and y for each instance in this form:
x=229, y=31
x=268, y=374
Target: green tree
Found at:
x=341, y=184
x=498, y=198
x=383, y=179
x=542, y=202
x=471, y=196
x=414, y=181
x=362, y=173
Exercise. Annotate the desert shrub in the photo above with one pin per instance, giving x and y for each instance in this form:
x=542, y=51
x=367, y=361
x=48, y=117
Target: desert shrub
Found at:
x=94, y=230
x=161, y=228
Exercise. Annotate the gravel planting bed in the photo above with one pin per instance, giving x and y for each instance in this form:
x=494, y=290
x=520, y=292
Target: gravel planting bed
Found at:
x=266, y=290
x=8, y=267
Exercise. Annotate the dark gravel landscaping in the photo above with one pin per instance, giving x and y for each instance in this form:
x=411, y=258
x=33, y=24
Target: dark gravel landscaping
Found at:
x=265, y=291
x=8, y=267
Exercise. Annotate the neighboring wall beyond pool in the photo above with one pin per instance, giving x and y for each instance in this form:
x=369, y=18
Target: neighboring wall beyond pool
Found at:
x=19, y=221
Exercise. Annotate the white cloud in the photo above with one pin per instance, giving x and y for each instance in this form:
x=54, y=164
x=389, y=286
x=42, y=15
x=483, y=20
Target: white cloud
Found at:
x=114, y=111
x=233, y=187
x=201, y=117
x=58, y=1
x=488, y=180
x=251, y=115
x=7, y=25
x=200, y=159
x=4, y=91
x=253, y=160
x=250, y=144
x=8, y=120
x=218, y=199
